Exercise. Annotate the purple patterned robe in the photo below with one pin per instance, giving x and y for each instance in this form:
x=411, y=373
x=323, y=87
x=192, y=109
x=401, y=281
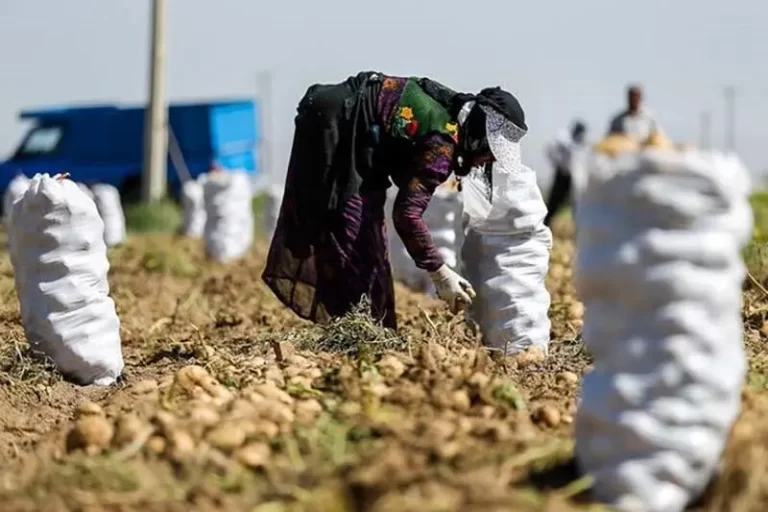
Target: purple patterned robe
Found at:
x=352, y=258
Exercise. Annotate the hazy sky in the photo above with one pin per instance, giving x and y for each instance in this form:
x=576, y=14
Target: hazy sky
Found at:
x=561, y=58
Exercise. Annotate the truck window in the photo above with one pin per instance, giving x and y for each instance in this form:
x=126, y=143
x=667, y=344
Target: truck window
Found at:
x=41, y=141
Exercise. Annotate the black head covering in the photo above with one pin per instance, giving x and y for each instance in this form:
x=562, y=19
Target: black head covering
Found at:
x=578, y=129
x=472, y=136
x=504, y=103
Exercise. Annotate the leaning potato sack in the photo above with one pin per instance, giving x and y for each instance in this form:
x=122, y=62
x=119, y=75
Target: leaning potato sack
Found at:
x=505, y=252
x=60, y=266
x=659, y=270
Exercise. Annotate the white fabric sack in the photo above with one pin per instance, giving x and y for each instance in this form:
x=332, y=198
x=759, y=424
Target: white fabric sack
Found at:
x=60, y=267
x=193, y=204
x=87, y=191
x=505, y=256
x=441, y=217
x=274, y=200
x=229, y=221
x=16, y=188
x=107, y=199
x=660, y=272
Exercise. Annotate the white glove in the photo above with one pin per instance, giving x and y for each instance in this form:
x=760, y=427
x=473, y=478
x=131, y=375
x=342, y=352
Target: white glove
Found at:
x=452, y=288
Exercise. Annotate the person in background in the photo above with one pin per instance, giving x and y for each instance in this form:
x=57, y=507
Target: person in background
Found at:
x=636, y=121
x=329, y=248
x=560, y=153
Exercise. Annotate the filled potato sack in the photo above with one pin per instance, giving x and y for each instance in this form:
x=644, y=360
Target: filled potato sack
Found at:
x=193, y=205
x=86, y=190
x=16, y=188
x=60, y=265
x=505, y=252
x=659, y=270
x=229, y=224
x=505, y=255
x=107, y=199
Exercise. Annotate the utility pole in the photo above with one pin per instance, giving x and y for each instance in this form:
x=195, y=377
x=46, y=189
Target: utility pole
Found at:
x=154, y=178
x=705, y=127
x=264, y=84
x=730, y=118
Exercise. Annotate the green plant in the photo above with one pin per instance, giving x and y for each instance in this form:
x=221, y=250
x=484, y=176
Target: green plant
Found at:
x=258, y=205
x=161, y=217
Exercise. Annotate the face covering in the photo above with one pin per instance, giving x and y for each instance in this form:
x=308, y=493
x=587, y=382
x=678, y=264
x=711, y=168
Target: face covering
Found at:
x=503, y=139
x=492, y=123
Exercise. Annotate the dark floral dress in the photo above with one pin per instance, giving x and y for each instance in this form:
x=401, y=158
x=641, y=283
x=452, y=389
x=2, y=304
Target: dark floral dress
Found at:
x=323, y=261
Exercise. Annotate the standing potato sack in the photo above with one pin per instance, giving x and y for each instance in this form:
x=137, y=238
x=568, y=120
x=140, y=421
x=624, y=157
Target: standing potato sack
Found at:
x=228, y=215
x=505, y=252
x=86, y=190
x=107, y=199
x=60, y=267
x=16, y=188
x=193, y=202
x=659, y=270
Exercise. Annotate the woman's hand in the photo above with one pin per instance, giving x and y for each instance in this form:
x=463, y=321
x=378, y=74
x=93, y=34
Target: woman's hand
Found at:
x=452, y=288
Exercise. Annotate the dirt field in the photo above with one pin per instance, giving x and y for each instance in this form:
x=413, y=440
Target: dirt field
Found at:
x=231, y=403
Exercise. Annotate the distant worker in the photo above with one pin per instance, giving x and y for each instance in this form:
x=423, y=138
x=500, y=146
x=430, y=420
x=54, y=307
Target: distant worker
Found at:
x=560, y=153
x=636, y=121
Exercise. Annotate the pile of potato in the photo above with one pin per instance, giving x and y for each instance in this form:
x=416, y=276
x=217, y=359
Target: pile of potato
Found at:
x=211, y=422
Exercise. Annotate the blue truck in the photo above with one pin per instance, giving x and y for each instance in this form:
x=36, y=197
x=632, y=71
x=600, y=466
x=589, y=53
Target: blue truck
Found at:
x=104, y=143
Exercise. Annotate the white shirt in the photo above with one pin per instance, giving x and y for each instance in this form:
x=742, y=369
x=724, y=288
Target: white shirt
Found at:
x=639, y=126
x=560, y=150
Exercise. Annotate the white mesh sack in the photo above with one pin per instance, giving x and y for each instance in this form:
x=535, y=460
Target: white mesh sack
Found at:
x=16, y=188
x=229, y=223
x=193, y=204
x=505, y=256
x=107, y=199
x=441, y=217
x=274, y=200
x=660, y=272
x=60, y=267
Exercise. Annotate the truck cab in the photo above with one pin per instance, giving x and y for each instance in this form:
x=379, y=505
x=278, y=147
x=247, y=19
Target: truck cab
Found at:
x=105, y=143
